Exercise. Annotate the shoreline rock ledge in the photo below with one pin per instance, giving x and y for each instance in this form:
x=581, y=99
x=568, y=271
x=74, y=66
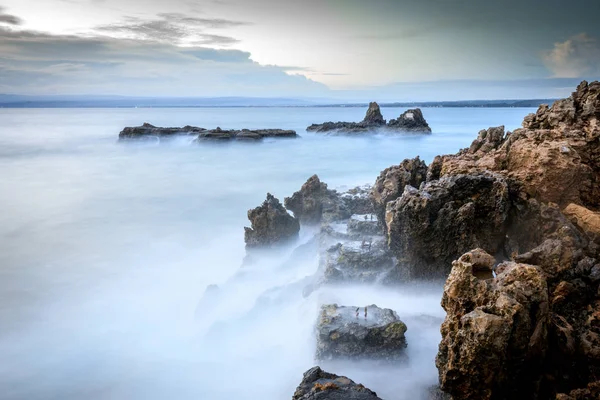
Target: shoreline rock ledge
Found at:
x=410, y=121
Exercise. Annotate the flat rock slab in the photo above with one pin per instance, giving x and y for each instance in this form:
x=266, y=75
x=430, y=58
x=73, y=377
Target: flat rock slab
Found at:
x=342, y=334
x=149, y=131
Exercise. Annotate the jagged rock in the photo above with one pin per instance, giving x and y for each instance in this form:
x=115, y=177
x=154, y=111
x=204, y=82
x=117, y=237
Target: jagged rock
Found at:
x=429, y=227
x=591, y=392
x=150, y=131
x=320, y=385
x=410, y=121
x=357, y=200
x=271, y=225
x=391, y=182
x=555, y=156
x=586, y=220
x=495, y=333
x=366, y=225
x=342, y=334
x=373, y=116
x=311, y=201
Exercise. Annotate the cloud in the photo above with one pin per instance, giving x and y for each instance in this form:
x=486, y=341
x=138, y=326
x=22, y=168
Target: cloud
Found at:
x=172, y=28
x=9, y=18
x=39, y=63
x=579, y=56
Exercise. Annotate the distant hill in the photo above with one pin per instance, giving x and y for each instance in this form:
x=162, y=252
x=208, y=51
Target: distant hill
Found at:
x=20, y=101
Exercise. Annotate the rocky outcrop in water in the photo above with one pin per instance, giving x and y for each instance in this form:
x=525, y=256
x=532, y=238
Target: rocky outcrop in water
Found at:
x=360, y=332
x=149, y=132
x=320, y=385
x=271, y=225
x=410, y=121
x=311, y=201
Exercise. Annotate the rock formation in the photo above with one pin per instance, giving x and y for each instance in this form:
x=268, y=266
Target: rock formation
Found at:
x=343, y=334
x=410, y=121
x=148, y=131
x=271, y=225
x=391, y=183
x=311, y=201
x=321, y=385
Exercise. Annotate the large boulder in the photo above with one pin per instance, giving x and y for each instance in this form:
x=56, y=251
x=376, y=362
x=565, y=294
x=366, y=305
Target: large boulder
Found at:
x=410, y=121
x=431, y=226
x=320, y=385
x=391, y=183
x=495, y=332
x=360, y=333
x=271, y=225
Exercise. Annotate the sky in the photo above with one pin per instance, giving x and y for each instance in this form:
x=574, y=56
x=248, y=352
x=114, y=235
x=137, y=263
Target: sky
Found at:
x=393, y=50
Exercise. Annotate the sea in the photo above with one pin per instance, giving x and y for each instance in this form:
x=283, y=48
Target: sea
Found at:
x=107, y=248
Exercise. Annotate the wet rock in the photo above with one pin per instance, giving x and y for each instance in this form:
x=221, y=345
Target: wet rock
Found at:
x=357, y=200
x=363, y=225
x=494, y=336
x=149, y=131
x=373, y=115
x=364, y=261
x=410, y=121
x=391, y=183
x=341, y=334
x=429, y=227
x=271, y=225
x=321, y=385
x=311, y=201
x=219, y=134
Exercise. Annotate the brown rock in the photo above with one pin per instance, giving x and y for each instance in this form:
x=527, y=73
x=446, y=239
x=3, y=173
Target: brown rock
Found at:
x=271, y=225
x=586, y=220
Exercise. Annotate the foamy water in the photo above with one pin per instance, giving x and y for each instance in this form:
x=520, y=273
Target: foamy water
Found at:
x=106, y=250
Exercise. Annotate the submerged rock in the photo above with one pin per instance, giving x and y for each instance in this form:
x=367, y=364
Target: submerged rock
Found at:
x=321, y=385
x=374, y=333
x=271, y=225
x=410, y=121
x=147, y=131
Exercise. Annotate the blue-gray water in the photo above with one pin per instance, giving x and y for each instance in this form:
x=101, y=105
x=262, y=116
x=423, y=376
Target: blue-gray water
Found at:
x=106, y=250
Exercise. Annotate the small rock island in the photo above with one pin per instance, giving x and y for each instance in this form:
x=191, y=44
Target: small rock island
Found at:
x=410, y=121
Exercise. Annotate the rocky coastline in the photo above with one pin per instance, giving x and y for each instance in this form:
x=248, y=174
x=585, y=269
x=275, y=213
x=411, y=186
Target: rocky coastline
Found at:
x=512, y=224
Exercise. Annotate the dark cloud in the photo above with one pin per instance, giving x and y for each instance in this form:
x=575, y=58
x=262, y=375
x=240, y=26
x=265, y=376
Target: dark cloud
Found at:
x=39, y=63
x=576, y=57
x=173, y=28
x=9, y=18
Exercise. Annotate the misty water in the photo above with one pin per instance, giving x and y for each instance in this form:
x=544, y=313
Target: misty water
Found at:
x=106, y=250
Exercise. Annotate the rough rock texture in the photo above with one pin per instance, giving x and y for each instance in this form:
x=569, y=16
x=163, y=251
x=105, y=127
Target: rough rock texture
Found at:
x=341, y=334
x=391, y=182
x=555, y=156
x=147, y=131
x=410, y=121
x=586, y=220
x=311, y=201
x=271, y=225
x=431, y=226
x=591, y=392
x=320, y=385
x=494, y=335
